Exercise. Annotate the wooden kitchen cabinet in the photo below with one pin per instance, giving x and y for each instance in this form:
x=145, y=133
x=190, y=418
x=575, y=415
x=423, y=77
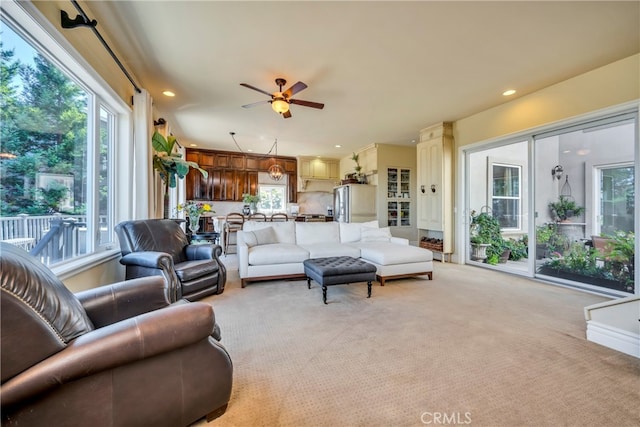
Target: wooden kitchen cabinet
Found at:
x=233, y=174
x=293, y=187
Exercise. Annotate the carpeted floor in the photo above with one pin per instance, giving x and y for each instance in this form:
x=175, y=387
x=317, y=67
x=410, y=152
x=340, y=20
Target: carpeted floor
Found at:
x=470, y=347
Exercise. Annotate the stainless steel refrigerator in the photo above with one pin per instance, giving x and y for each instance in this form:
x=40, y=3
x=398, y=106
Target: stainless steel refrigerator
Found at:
x=354, y=203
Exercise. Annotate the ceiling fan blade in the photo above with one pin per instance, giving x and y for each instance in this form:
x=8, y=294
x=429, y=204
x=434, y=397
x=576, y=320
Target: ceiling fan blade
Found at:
x=294, y=89
x=266, y=101
x=307, y=103
x=255, y=88
x=286, y=114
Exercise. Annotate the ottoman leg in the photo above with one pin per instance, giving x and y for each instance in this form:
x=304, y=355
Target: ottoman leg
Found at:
x=324, y=293
x=369, y=289
x=308, y=282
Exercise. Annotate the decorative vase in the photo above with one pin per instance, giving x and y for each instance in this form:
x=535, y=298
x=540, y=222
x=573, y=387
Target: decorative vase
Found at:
x=246, y=210
x=479, y=251
x=194, y=223
x=253, y=208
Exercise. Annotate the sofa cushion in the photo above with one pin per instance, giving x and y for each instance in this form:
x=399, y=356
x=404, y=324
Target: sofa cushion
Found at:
x=308, y=233
x=386, y=253
x=325, y=250
x=285, y=230
x=369, y=234
x=263, y=236
x=277, y=253
x=350, y=232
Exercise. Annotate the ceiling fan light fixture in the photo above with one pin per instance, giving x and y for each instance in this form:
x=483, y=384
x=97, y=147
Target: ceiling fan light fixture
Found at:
x=280, y=106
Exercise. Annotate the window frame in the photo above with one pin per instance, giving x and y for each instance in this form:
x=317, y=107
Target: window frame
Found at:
x=29, y=23
x=281, y=187
x=597, y=195
x=491, y=190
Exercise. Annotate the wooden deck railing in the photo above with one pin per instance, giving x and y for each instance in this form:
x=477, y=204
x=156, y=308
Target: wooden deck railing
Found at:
x=52, y=238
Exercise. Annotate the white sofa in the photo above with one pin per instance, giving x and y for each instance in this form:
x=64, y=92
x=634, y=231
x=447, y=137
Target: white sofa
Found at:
x=275, y=250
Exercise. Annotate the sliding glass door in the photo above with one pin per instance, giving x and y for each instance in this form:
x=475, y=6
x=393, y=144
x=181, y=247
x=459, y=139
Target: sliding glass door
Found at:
x=558, y=205
x=586, y=208
x=498, y=202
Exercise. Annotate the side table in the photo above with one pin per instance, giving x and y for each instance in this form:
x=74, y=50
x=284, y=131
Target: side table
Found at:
x=208, y=237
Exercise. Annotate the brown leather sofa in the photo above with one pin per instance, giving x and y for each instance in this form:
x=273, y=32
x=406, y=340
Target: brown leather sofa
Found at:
x=161, y=247
x=118, y=355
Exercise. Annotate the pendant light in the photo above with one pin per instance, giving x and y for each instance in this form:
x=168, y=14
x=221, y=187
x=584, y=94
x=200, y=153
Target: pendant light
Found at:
x=275, y=170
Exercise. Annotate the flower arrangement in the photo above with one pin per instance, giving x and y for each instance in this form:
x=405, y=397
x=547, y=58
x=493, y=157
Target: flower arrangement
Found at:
x=194, y=209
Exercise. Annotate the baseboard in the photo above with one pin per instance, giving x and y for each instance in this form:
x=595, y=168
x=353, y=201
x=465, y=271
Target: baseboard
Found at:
x=617, y=339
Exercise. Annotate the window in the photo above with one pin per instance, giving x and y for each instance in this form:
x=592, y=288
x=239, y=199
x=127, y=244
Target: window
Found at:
x=59, y=127
x=506, y=195
x=616, y=201
x=272, y=198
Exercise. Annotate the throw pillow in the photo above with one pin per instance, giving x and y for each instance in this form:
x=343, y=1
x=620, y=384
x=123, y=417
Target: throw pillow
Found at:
x=369, y=234
x=370, y=224
x=263, y=236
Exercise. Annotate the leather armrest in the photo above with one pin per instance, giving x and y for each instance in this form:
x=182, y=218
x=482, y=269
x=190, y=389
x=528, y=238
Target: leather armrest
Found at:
x=109, y=304
x=146, y=259
x=121, y=343
x=203, y=251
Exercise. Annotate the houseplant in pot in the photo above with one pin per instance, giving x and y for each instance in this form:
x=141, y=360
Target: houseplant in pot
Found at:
x=359, y=176
x=170, y=165
x=565, y=208
x=252, y=201
x=485, y=238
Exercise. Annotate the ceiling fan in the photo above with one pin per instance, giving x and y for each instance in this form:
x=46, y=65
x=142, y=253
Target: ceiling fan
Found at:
x=280, y=100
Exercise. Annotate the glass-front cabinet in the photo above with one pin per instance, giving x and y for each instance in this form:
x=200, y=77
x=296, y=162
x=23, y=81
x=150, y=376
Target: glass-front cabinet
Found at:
x=398, y=197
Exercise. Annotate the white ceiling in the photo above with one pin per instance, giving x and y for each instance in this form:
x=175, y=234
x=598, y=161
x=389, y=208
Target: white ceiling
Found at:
x=384, y=70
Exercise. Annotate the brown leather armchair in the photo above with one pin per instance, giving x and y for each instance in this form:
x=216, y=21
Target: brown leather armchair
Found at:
x=110, y=356
x=161, y=247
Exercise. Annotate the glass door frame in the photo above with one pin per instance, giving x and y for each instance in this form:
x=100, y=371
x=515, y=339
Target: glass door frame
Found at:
x=614, y=114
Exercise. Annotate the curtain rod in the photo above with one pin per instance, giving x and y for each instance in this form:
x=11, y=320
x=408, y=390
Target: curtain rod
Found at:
x=84, y=20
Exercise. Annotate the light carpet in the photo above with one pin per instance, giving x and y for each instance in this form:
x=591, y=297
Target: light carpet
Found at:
x=470, y=347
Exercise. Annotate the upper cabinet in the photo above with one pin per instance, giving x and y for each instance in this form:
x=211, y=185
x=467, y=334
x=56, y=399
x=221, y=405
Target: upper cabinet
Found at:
x=313, y=168
x=233, y=174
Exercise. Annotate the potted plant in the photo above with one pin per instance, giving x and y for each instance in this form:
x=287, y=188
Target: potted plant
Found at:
x=252, y=201
x=170, y=165
x=622, y=258
x=565, y=208
x=544, y=234
x=517, y=248
x=359, y=176
x=486, y=238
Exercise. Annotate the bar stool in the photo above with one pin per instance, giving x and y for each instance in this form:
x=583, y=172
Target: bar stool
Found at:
x=232, y=223
x=276, y=217
x=258, y=216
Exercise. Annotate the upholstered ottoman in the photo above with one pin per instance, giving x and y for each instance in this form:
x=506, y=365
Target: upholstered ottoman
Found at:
x=338, y=271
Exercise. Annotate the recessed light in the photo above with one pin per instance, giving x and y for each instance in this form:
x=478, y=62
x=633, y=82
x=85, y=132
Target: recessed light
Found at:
x=193, y=145
x=168, y=93
x=509, y=92
x=250, y=150
x=338, y=146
